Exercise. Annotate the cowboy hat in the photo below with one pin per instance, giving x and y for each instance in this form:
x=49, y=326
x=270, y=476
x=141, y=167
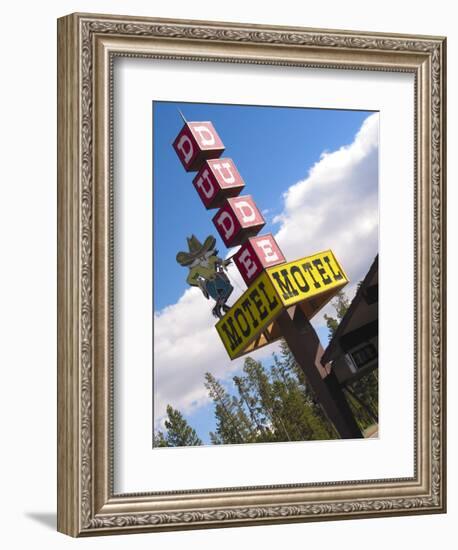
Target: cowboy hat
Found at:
x=196, y=249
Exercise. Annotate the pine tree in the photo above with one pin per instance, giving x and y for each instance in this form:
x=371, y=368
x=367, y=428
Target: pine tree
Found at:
x=179, y=432
x=341, y=305
x=273, y=404
x=215, y=439
x=232, y=424
x=257, y=381
x=250, y=403
x=323, y=428
x=301, y=416
x=160, y=440
x=248, y=428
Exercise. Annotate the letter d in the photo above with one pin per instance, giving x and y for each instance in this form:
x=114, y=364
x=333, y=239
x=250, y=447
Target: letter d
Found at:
x=186, y=149
x=246, y=211
x=226, y=226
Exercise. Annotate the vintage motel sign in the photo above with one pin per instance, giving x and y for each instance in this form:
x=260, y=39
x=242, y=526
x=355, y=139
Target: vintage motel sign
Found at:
x=238, y=219
x=255, y=255
x=307, y=277
x=218, y=179
x=273, y=284
x=282, y=297
x=197, y=142
x=311, y=281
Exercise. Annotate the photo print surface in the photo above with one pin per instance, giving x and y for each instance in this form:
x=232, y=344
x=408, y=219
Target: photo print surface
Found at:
x=265, y=236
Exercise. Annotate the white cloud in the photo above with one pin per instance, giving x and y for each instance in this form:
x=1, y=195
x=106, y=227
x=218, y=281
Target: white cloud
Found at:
x=189, y=325
x=335, y=206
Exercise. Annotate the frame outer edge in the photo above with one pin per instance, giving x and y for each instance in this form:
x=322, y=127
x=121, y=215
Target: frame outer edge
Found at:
x=443, y=279
x=102, y=278
x=79, y=494
x=68, y=277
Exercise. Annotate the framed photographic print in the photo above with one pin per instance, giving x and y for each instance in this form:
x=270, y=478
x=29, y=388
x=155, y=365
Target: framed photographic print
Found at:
x=229, y=197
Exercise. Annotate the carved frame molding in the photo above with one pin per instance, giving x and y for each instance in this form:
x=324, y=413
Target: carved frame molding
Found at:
x=87, y=45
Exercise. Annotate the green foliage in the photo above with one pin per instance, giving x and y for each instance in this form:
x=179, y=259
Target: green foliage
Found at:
x=341, y=304
x=273, y=404
x=160, y=440
x=287, y=359
x=179, y=433
x=232, y=423
x=362, y=395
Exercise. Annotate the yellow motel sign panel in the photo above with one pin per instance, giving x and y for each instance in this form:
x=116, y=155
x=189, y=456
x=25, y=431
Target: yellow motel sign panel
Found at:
x=311, y=282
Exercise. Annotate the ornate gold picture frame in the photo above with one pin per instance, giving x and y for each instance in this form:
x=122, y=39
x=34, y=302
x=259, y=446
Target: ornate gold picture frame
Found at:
x=87, y=46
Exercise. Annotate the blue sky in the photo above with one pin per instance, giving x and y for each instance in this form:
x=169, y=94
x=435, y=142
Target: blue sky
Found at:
x=274, y=149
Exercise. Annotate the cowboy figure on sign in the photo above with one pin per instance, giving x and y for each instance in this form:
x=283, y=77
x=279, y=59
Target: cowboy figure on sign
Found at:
x=207, y=271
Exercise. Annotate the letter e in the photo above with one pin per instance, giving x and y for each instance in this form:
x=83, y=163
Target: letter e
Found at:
x=269, y=253
x=247, y=262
